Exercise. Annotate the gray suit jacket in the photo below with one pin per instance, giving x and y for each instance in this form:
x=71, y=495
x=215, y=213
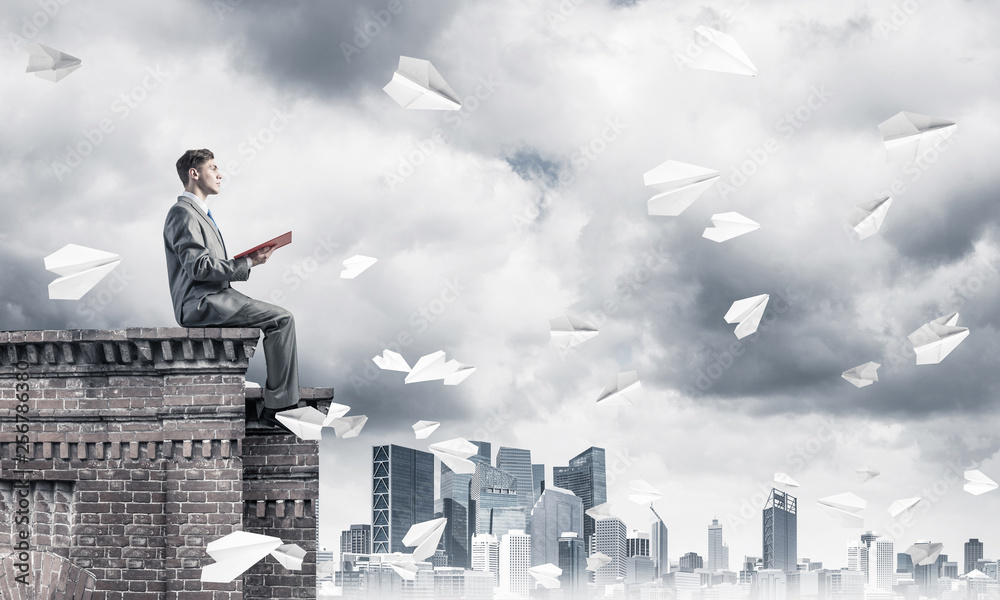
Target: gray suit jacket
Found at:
x=198, y=268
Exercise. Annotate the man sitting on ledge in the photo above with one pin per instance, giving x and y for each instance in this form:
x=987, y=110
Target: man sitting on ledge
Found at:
x=200, y=270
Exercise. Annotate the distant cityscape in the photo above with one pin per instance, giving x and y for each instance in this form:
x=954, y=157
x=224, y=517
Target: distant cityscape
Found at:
x=512, y=534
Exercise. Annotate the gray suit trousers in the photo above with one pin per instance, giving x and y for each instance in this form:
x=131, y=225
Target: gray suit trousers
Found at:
x=278, y=325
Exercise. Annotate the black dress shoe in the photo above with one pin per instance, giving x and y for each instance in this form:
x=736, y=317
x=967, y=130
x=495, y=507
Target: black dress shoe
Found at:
x=268, y=417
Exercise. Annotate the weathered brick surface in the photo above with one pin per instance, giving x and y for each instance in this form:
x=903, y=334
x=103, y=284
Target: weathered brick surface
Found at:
x=137, y=458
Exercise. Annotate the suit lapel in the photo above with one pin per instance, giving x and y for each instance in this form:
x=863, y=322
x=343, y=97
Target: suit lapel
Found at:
x=206, y=221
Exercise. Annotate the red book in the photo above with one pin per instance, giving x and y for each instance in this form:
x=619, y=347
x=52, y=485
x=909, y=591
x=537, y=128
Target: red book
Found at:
x=282, y=240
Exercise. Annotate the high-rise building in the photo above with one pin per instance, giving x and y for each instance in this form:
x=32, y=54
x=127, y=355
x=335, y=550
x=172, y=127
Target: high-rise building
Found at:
x=486, y=555
x=556, y=513
x=454, y=506
x=638, y=543
x=881, y=565
x=490, y=489
x=691, y=561
x=857, y=557
x=504, y=519
x=586, y=476
x=610, y=540
x=515, y=560
x=904, y=563
x=357, y=539
x=771, y=584
x=973, y=552
x=638, y=569
x=402, y=494
x=658, y=546
x=517, y=462
x=573, y=562
x=718, y=552
x=780, y=532
x=868, y=537
x=537, y=480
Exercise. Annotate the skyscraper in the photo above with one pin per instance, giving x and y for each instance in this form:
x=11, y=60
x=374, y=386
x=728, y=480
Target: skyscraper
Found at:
x=515, y=560
x=486, y=555
x=780, y=532
x=857, y=557
x=689, y=562
x=586, y=476
x=973, y=552
x=517, y=462
x=357, y=539
x=638, y=543
x=609, y=539
x=537, y=480
x=881, y=565
x=718, y=552
x=454, y=506
x=573, y=562
x=557, y=513
x=489, y=489
x=402, y=494
x=658, y=546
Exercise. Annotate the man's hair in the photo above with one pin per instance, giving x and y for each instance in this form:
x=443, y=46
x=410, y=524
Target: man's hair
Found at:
x=192, y=159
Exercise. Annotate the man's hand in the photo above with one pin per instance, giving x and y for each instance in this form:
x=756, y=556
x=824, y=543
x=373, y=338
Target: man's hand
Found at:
x=260, y=257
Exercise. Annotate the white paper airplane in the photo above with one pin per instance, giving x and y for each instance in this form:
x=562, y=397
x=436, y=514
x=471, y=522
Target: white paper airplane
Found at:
x=641, y=492
x=720, y=52
x=335, y=412
x=235, y=553
x=597, y=560
x=866, y=473
x=407, y=570
x=623, y=391
x=417, y=84
x=976, y=483
x=306, y=422
x=924, y=553
x=601, y=511
x=784, y=479
x=80, y=268
x=424, y=537
x=728, y=225
x=567, y=332
x=391, y=361
x=356, y=265
x=845, y=508
x=424, y=429
x=936, y=340
x=433, y=366
x=290, y=556
x=546, y=575
x=862, y=375
x=903, y=506
x=49, y=63
x=908, y=135
x=870, y=217
x=679, y=185
x=348, y=427
x=748, y=313
x=455, y=454
x=459, y=372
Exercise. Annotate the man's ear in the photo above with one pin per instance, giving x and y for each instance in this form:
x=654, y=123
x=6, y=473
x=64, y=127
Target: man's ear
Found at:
x=192, y=173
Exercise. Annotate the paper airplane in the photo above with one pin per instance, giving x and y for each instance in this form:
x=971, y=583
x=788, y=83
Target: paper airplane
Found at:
x=335, y=412
x=417, y=84
x=903, y=506
x=862, y=375
x=406, y=570
x=49, y=63
x=870, y=217
x=455, y=454
x=431, y=367
x=290, y=556
x=924, y=553
x=424, y=429
x=728, y=225
x=235, y=553
x=81, y=269
x=935, y=340
x=908, y=135
x=566, y=332
x=459, y=372
x=679, y=185
x=356, y=265
x=348, y=427
x=641, y=492
x=391, y=361
x=720, y=52
x=306, y=422
x=784, y=479
x=867, y=473
x=597, y=560
x=845, y=508
x=601, y=511
x=976, y=483
x=624, y=390
x=424, y=538
x=748, y=313
x=546, y=575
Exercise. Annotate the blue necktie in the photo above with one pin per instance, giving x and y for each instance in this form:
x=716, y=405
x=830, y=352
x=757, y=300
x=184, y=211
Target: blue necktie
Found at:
x=220, y=232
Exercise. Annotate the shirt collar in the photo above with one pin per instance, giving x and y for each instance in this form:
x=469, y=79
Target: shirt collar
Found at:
x=198, y=201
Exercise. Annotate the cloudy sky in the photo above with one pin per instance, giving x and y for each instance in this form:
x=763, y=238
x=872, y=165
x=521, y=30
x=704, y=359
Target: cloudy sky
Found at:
x=529, y=203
